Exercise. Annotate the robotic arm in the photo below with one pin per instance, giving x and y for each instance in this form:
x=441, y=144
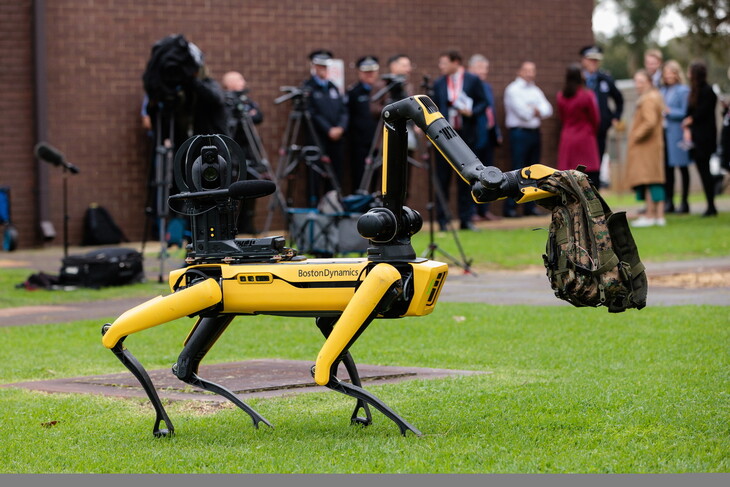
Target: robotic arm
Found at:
x=487, y=183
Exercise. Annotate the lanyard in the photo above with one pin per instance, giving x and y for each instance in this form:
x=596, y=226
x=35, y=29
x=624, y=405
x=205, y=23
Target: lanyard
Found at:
x=453, y=90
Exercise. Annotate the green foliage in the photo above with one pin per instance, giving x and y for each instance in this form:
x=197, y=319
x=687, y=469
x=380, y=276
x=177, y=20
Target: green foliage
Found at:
x=708, y=37
x=570, y=390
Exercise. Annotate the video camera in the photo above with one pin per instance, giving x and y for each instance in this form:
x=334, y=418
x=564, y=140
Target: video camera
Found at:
x=395, y=86
x=207, y=170
x=174, y=62
x=298, y=94
x=238, y=102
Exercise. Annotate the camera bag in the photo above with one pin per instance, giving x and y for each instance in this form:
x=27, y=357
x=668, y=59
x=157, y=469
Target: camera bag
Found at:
x=103, y=267
x=591, y=257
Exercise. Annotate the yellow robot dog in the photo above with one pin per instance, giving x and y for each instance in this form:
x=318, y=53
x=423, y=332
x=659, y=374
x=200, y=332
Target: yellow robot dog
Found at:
x=227, y=277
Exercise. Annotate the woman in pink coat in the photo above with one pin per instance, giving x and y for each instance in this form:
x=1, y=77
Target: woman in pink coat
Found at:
x=578, y=111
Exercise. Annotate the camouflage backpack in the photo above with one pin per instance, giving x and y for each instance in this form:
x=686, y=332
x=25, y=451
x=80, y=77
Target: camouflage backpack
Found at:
x=591, y=258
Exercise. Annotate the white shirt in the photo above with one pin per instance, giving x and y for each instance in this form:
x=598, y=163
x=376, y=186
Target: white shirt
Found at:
x=520, y=100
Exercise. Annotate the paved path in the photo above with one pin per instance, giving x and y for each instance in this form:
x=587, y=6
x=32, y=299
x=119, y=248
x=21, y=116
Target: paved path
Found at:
x=491, y=287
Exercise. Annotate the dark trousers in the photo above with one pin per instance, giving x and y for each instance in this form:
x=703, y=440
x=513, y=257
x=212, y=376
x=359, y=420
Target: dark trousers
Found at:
x=524, y=146
x=708, y=180
x=465, y=203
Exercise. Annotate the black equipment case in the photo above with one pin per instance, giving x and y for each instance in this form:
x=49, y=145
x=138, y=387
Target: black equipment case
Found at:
x=104, y=267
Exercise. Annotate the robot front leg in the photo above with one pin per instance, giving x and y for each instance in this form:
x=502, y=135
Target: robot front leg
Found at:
x=206, y=332
x=373, y=296
x=325, y=325
x=133, y=365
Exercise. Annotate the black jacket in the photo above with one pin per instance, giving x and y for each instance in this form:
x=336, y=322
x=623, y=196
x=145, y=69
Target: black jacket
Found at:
x=326, y=106
x=605, y=89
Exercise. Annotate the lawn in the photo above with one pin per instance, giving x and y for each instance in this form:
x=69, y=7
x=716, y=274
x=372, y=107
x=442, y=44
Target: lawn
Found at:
x=570, y=390
x=684, y=237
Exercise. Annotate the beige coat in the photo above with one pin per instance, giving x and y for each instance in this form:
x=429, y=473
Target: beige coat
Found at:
x=645, y=152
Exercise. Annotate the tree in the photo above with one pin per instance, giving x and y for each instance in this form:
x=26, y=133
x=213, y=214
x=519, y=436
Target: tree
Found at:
x=643, y=16
x=709, y=27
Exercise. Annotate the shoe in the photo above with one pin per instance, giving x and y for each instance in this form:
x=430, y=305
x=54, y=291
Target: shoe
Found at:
x=683, y=208
x=669, y=207
x=443, y=227
x=643, y=221
x=660, y=222
x=710, y=212
x=468, y=226
x=510, y=214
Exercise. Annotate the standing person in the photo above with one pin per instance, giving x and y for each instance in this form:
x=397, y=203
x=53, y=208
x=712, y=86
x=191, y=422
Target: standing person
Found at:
x=578, y=111
x=645, y=152
x=525, y=107
x=241, y=111
x=653, y=59
x=460, y=97
x=400, y=66
x=329, y=116
x=488, y=134
x=605, y=89
x=701, y=125
x=363, y=116
x=675, y=93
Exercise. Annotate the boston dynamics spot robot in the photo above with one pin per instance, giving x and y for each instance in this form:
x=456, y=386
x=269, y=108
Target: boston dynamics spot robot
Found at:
x=228, y=277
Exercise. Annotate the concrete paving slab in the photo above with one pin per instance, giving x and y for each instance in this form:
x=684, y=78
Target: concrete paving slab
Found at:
x=251, y=378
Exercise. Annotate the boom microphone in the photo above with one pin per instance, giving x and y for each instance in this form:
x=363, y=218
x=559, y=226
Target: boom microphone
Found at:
x=254, y=188
x=53, y=156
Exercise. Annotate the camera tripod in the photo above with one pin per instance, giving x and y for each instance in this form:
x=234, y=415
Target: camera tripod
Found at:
x=159, y=190
x=434, y=189
x=299, y=126
x=257, y=152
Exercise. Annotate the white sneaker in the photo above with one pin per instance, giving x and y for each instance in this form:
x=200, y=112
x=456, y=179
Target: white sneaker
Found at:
x=643, y=221
x=661, y=222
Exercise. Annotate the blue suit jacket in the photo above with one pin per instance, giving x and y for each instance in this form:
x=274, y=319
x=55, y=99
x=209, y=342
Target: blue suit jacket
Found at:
x=473, y=89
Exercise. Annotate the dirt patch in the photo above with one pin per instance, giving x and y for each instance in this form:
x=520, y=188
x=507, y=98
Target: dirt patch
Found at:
x=693, y=280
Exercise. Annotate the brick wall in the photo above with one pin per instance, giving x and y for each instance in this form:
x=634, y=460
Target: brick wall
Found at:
x=97, y=50
x=17, y=166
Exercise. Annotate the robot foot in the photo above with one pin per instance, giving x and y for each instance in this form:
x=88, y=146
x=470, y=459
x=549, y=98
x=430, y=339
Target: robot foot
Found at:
x=222, y=391
x=364, y=398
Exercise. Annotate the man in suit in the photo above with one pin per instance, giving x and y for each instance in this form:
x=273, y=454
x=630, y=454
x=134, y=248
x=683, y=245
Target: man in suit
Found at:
x=488, y=133
x=605, y=89
x=460, y=97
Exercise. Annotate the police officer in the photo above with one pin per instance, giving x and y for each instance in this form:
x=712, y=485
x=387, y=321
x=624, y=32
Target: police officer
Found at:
x=605, y=89
x=328, y=111
x=364, y=116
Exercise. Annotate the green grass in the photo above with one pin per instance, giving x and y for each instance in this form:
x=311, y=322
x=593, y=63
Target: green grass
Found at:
x=684, y=237
x=12, y=296
x=571, y=390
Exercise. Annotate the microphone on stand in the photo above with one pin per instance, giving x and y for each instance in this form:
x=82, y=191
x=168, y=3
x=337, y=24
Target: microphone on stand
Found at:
x=51, y=155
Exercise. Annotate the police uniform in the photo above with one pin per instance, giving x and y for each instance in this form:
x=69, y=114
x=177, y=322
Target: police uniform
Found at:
x=363, y=115
x=327, y=109
x=605, y=89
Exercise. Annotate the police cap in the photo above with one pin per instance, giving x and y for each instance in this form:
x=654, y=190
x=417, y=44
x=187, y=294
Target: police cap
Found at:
x=368, y=63
x=320, y=57
x=592, y=52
